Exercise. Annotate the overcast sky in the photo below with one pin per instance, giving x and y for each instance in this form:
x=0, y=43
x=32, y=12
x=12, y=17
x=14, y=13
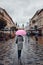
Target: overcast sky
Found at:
x=21, y=10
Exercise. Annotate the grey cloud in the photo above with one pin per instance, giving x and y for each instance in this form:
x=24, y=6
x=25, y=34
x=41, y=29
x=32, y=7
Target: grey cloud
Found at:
x=21, y=10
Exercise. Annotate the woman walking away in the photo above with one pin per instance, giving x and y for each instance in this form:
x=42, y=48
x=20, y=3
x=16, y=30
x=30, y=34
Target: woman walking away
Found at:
x=19, y=42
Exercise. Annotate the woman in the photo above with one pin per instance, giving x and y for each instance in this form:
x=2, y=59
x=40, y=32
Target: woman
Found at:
x=19, y=42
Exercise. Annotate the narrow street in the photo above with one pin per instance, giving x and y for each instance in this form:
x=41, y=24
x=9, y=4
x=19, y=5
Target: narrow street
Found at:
x=32, y=53
x=21, y=32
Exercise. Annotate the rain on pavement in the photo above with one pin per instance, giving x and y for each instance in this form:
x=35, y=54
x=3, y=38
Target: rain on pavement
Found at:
x=32, y=53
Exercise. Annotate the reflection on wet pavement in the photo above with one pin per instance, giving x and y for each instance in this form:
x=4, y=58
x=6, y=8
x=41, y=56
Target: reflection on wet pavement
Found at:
x=32, y=53
x=8, y=55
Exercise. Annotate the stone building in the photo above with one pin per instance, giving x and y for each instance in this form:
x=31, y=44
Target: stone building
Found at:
x=37, y=21
x=6, y=23
x=5, y=20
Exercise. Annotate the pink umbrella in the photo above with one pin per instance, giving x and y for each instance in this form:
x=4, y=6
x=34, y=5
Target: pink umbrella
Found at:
x=21, y=32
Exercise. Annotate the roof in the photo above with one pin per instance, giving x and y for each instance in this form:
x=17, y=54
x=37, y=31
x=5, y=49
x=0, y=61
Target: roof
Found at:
x=37, y=13
x=6, y=14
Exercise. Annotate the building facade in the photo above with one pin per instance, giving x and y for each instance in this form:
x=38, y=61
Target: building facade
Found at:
x=5, y=20
x=7, y=26
x=37, y=20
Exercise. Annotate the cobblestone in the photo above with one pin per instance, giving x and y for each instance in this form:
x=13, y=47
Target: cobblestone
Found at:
x=32, y=53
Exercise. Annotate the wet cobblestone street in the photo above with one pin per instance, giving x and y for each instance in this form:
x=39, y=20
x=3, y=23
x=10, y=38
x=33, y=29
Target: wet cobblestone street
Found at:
x=32, y=53
x=8, y=55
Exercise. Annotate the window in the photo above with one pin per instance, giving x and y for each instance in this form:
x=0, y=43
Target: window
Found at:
x=33, y=21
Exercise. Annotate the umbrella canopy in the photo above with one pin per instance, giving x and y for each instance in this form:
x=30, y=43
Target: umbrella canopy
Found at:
x=21, y=32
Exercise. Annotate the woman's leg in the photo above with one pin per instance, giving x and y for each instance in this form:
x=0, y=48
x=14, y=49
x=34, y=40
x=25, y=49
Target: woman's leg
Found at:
x=19, y=54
